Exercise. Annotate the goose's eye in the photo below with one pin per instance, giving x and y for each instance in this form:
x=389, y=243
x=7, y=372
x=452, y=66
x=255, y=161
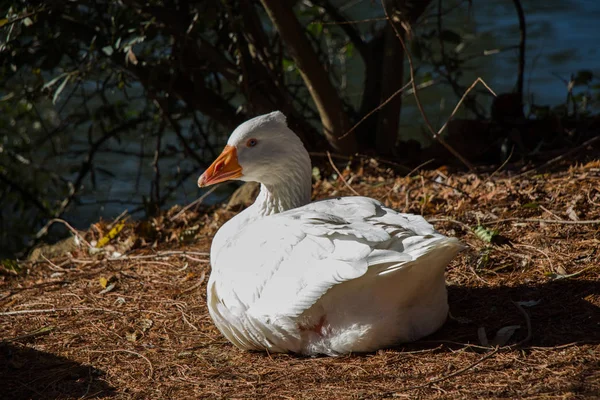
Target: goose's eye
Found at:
x=251, y=142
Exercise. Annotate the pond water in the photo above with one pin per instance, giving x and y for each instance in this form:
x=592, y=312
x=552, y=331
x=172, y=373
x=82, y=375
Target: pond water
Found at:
x=561, y=40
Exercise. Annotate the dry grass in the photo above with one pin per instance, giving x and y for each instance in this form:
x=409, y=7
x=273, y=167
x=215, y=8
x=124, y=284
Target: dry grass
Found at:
x=150, y=337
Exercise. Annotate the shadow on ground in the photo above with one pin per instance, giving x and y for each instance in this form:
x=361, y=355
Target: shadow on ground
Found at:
x=26, y=373
x=565, y=313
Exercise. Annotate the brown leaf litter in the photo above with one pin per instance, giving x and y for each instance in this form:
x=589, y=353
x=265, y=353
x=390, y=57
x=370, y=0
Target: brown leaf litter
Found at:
x=129, y=319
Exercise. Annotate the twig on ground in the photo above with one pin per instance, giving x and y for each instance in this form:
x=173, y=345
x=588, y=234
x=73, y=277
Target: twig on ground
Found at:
x=340, y=175
x=546, y=221
x=501, y=166
x=465, y=346
x=43, y=231
x=150, y=375
x=418, y=167
x=35, y=286
x=472, y=269
x=465, y=226
x=42, y=331
x=539, y=251
x=516, y=219
x=550, y=212
x=573, y=275
x=186, y=254
x=180, y=253
x=560, y=347
x=57, y=310
x=560, y=157
x=188, y=323
x=590, y=199
x=197, y=285
x=439, y=347
x=453, y=374
x=53, y=266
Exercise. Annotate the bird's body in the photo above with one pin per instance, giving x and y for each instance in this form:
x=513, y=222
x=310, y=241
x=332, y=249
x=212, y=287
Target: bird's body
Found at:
x=329, y=277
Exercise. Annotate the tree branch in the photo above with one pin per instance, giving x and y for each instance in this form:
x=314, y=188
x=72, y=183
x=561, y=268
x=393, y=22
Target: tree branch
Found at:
x=417, y=99
x=522, y=31
x=330, y=107
x=392, y=74
x=348, y=29
x=26, y=194
x=194, y=93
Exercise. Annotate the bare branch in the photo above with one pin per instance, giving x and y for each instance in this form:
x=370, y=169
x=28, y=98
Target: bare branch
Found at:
x=340, y=175
x=346, y=26
x=25, y=193
x=522, y=37
x=330, y=107
x=418, y=101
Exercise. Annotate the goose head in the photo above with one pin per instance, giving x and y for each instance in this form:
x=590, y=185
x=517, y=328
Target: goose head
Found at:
x=264, y=150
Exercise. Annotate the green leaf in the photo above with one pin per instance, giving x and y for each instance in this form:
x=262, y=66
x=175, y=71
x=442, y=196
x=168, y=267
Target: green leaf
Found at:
x=3, y=22
x=315, y=28
x=485, y=234
x=348, y=49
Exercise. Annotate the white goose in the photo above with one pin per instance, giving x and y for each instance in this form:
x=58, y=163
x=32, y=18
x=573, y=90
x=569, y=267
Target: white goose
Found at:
x=329, y=277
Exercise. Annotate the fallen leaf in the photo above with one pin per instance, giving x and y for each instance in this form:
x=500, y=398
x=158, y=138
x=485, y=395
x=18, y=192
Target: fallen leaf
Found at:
x=145, y=324
x=113, y=233
x=103, y=281
x=572, y=214
x=109, y=288
x=190, y=275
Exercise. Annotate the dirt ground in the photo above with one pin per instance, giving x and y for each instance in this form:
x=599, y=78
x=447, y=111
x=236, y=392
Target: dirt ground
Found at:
x=525, y=306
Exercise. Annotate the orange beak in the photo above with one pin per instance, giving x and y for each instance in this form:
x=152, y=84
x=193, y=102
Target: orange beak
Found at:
x=224, y=168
